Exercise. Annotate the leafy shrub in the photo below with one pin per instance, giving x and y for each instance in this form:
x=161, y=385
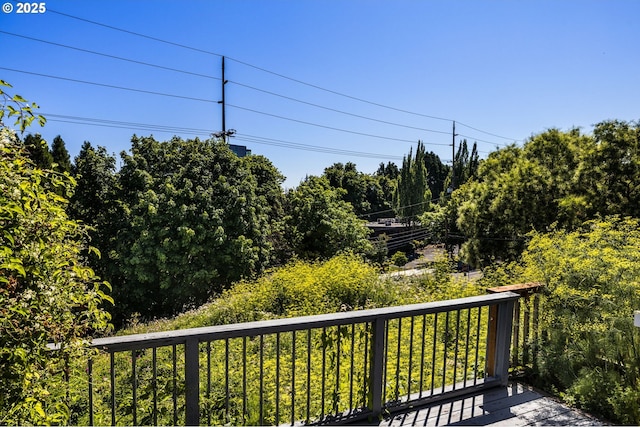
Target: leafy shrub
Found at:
x=399, y=259
x=344, y=282
x=46, y=293
x=589, y=348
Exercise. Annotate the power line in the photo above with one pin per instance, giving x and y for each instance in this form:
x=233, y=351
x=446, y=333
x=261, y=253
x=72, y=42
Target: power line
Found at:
x=336, y=110
x=111, y=27
x=233, y=82
x=212, y=101
x=108, y=85
x=206, y=132
x=328, y=127
x=123, y=125
x=270, y=72
x=111, y=56
x=308, y=147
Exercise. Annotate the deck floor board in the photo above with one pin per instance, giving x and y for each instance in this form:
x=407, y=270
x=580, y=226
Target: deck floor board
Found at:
x=514, y=405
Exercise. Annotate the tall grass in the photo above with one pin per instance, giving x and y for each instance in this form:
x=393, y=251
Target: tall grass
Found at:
x=314, y=373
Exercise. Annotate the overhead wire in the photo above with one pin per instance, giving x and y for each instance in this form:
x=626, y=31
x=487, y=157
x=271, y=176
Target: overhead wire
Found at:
x=205, y=132
x=228, y=81
x=108, y=85
x=329, y=127
x=308, y=147
x=106, y=55
x=262, y=69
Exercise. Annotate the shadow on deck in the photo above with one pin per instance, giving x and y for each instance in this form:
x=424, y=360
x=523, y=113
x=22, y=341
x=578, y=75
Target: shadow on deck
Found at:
x=514, y=405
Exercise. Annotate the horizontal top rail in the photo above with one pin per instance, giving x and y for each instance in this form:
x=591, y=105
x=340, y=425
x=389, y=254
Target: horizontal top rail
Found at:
x=522, y=289
x=249, y=329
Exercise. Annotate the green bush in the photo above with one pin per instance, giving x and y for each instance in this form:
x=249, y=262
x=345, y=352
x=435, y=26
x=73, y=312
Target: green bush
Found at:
x=46, y=292
x=399, y=259
x=589, y=349
x=344, y=282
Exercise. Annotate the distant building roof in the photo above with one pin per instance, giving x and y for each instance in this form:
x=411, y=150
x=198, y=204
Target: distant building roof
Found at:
x=240, y=150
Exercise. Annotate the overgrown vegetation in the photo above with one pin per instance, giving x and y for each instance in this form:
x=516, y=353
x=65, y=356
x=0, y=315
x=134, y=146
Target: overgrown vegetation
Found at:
x=344, y=282
x=589, y=349
x=47, y=294
x=185, y=222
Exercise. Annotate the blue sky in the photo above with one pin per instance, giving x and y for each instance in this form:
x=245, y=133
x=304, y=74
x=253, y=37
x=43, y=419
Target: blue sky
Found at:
x=340, y=81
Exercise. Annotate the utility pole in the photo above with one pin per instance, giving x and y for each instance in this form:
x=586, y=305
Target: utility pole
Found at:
x=224, y=82
x=224, y=134
x=453, y=158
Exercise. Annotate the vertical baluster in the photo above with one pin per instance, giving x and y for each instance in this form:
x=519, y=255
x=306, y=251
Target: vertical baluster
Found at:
x=410, y=357
x=398, y=348
x=379, y=329
x=192, y=381
x=525, y=332
x=337, y=388
x=466, y=349
x=433, y=353
x=444, y=357
x=244, y=380
x=455, y=353
x=175, y=385
x=113, y=387
x=134, y=406
x=352, y=370
x=475, y=364
x=277, y=379
x=227, y=395
x=384, y=349
x=324, y=370
x=308, y=375
x=154, y=363
x=536, y=319
x=293, y=377
x=209, y=383
x=90, y=375
x=423, y=339
x=261, y=380
x=365, y=365
x=515, y=345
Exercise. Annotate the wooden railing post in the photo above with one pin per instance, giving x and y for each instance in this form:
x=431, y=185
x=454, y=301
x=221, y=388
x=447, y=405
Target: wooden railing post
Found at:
x=525, y=290
x=377, y=365
x=500, y=324
x=192, y=382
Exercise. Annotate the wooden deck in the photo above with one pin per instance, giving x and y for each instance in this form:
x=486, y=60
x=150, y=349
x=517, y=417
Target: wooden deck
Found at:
x=515, y=405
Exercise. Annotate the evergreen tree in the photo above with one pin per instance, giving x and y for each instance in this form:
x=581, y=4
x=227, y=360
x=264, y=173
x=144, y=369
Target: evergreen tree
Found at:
x=38, y=151
x=413, y=196
x=60, y=155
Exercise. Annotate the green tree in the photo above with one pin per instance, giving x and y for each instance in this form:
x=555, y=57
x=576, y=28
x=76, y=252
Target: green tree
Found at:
x=387, y=178
x=192, y=225
x=47, y=294
x=365, y=192
x=95, y=203
x=437, y=173
x=38, y=151
x=60, y=155
x=270, y=200
x=519, y=190
x=413, y=196
x=609, y=175
x=590, y=350
x=347, y=177
x=320, y=224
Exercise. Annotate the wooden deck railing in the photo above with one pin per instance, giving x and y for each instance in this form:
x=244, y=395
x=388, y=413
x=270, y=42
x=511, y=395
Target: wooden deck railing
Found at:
x=526, y=330
x=308, y=370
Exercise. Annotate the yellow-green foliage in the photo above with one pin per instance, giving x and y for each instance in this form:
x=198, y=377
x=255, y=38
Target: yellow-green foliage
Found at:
x=47, y=294
x=589, y=349
x=344, y=282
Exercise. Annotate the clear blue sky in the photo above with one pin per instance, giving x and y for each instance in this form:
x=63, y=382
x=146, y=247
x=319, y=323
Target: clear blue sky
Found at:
x=299, y=72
